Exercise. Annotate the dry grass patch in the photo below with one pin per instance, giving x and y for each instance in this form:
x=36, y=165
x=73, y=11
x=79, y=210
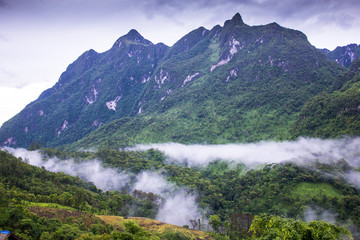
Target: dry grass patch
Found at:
x=64, y=215
x=154, y=226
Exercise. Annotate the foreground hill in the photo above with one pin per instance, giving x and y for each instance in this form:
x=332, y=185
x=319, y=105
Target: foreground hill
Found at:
x=233, y=83
x=230, y=194
x=102, y=225
x=38, y=204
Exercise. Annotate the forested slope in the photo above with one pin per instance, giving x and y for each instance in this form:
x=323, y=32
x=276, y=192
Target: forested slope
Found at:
x=38, y=204
x=336, y=113
x=230, y=193
x=232, y=83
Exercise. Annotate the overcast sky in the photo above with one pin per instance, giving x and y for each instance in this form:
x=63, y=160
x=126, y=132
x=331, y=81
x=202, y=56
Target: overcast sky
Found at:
x=40, y=38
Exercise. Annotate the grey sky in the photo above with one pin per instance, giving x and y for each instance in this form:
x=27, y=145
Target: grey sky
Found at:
x=40, y=38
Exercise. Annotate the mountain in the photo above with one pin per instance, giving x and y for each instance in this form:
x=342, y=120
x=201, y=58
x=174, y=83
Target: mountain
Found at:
x=335, y=113
x=233, y=83
x=96, y=88
x=344, y=55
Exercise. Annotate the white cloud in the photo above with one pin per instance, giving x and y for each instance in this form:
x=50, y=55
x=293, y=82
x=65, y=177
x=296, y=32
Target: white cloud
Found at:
x=153, y=182
x=103, y=178
x=179, y=209
x=317, y=213
x=179, y=206
x=252, y=154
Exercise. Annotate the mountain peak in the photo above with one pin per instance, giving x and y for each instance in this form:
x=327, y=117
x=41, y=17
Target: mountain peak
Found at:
x=236, y=20
x=134, y=33
x=135, y=36
x=132, y=37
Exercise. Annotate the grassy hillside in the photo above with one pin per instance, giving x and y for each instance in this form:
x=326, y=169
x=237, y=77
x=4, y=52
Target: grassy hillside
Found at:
x=106, y=226
x=156, y=227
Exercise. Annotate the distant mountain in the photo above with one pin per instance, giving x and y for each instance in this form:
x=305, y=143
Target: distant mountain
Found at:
x=233, y=83
x=344, y=55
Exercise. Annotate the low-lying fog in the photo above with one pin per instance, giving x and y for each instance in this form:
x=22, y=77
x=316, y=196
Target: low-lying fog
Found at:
x=252, y=154
x=180, y=206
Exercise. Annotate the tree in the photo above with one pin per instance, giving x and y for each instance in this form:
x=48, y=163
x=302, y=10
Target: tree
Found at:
x=66, y=232
x=116, y=203
x=274, y=227
x=133, y=228
x=79, y=199
x=215, y=223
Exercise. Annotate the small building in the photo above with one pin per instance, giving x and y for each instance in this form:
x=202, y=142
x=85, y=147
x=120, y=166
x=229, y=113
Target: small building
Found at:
x=7, y=235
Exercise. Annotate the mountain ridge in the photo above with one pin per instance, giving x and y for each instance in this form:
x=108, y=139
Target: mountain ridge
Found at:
x=227, y=84
x=344, y=55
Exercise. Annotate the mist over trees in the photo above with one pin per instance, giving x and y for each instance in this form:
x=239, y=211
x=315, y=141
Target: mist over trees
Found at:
x=220, y=192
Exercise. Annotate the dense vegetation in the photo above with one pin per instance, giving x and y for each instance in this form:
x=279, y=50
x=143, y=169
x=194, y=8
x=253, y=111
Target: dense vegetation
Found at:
x=272, y=227
x=228, y=191
x=32, y=184
x=25, y=187
x=336, y=113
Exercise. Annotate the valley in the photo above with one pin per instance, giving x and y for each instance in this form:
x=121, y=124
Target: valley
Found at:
x=234, y=132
